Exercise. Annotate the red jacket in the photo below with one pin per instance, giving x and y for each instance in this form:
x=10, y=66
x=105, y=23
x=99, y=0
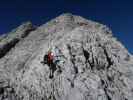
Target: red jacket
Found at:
x=50, y=57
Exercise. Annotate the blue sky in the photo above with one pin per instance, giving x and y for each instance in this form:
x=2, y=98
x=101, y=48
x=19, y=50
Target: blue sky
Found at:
x=117, y=14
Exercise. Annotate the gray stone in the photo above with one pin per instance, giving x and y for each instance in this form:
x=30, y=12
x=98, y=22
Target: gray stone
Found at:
x=93, y=65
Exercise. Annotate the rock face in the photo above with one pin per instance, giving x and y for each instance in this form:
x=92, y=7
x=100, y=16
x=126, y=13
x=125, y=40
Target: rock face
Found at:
x=93, y=64
x=10, y=40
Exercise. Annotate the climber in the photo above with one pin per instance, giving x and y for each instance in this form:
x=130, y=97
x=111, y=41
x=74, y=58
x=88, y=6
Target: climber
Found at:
x=51, y=59
x=48, y=58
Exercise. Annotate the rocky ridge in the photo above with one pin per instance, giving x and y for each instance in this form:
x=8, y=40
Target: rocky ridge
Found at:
x=96, y=66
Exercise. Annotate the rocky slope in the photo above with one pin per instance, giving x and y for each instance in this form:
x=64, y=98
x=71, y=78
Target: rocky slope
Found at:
x=94, y=65
x=7, y=41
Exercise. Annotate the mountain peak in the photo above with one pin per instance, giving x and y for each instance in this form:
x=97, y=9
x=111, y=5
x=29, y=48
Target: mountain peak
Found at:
x=71, y=21
x=68, y=58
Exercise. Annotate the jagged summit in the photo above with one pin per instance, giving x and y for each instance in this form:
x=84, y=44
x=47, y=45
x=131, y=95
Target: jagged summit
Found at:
x=74, y=20
x=90, y=63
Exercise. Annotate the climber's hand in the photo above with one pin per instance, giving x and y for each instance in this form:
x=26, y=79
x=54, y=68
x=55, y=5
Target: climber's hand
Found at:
x=42, y=62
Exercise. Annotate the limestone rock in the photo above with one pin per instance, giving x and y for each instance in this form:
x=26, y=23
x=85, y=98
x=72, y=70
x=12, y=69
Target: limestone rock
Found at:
x=94, y=65
x=8, y=41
